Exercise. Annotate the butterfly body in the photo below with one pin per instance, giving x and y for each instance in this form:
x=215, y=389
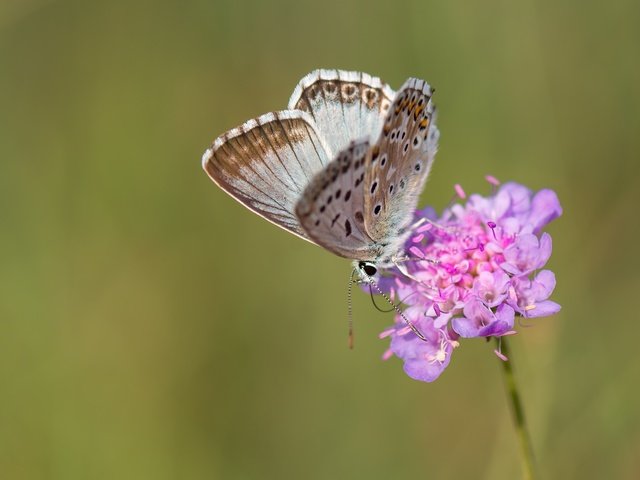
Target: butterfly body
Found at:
x=343, y=167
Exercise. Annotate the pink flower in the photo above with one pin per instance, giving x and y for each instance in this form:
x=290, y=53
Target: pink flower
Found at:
x=478, y=274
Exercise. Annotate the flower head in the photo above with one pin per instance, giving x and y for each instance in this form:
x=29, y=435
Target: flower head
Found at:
x=471, y=271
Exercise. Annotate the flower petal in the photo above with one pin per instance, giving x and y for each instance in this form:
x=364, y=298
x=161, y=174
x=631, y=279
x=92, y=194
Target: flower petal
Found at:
x=545, y=207
x=543, y=309
x=544, y=284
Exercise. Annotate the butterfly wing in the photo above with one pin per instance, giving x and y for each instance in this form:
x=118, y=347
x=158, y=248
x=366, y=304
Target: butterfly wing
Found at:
x=331, y=208
x=344, y=105
x=399, y=163
x=267, y=162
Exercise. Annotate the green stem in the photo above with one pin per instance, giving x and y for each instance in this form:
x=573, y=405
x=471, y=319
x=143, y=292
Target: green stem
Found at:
x=518, y=412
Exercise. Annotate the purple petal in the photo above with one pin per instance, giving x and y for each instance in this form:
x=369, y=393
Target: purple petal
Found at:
x=505, y=314
x=496, y=329
x=501, y=204
x=519, y=197
x=545, y=207
x=423, y=361
x=545, y=250
x=425, y=370
x=522, y=256
x=491, y=287
x=544, y=284
x=504, y=322
x=511, y=226
x=465, y=327
x=543, y=309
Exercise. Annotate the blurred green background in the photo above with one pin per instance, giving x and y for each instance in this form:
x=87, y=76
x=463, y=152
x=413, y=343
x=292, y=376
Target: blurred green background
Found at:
x=152, y=328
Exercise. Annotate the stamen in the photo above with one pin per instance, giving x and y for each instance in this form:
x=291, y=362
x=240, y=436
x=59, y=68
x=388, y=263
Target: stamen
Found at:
x=530, y=307
x=459, y=191
x=498, y=352
x=386, y=333
x=501, y=356
x=418, y=238
x=492, y=226
x=424, y=228
x=479, y=246
x=416, y=251
x=387, y=355
x=492, y=180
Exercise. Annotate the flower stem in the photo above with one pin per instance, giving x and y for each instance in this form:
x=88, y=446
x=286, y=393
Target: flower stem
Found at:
x=518, y=412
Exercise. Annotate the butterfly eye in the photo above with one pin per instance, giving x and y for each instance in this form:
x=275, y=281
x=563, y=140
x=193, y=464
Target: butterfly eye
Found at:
x=368, y=268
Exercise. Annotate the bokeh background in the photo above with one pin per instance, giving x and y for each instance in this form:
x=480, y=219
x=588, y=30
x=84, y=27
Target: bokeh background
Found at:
x=152, y=328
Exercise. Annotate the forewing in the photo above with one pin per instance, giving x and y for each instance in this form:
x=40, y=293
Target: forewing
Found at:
x=266, y=163
x=399, y=163
x=331, y=208
x=345, y=106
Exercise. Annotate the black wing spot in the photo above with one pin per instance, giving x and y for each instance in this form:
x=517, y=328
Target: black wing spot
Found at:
x=359, y=217
x=404, y=134
x=347, y=227
x=373, y=187
x=405, y=148
x=417, y=167
x=376, y=210
x=317, y=222
x=383, y=160
x=402, y=184
x=330, y=87
x=347, y=196
x=335, y=219
x=338, y=193
x=323, y=208
x=415, y=141
x=391, y=188
x=329, y=200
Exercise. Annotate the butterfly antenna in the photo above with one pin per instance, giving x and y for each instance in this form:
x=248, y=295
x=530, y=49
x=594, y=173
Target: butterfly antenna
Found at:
x=395, y=307
x=350, y=309
x=373, y=300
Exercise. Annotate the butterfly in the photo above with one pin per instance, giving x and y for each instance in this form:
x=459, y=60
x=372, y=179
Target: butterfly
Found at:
x=342, y=167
